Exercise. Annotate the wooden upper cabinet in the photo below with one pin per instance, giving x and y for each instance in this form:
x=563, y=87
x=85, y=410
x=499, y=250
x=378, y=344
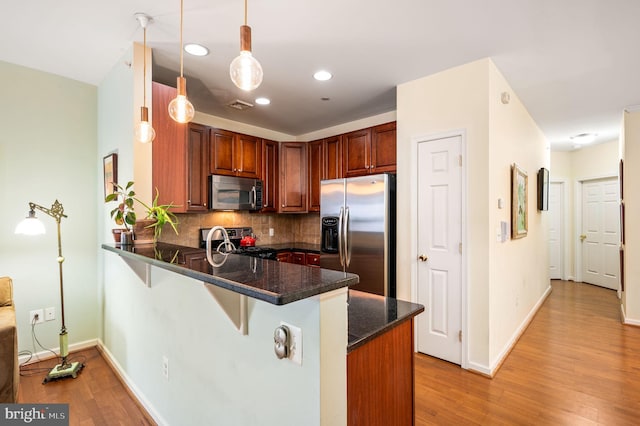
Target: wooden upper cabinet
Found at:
x=293, y=177
x=383, y=148
x=270, y=176
x=197, y=167
x=248, y=156
x=356, y=153
x=369, y=151
x=315, y=171
x=234, y=154
x=221, y=152
x=179, y=166
x=332, y=153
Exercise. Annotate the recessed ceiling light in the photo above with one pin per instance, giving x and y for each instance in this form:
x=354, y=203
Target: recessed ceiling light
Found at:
x=322, y=75
x=263, y=101
x=583, y=138
x=196, y=49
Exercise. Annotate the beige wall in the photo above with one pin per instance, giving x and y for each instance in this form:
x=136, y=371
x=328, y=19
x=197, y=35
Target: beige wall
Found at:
x=631, y=154
x=503, y=281
x=570, y=167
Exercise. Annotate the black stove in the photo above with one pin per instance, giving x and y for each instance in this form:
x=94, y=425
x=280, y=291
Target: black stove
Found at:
x=235, y=236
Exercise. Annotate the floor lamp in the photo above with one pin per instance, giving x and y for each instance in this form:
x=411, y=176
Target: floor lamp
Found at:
x=32, y=226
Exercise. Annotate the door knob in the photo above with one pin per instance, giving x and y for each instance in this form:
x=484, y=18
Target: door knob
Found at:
x=583, y=237
x=423, y=257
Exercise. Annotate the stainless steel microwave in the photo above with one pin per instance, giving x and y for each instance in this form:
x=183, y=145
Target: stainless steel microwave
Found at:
x=234, y=193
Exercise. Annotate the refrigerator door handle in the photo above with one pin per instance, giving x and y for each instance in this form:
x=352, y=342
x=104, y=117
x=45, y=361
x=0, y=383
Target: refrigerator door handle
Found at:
x=340, y=253
x=347, y=249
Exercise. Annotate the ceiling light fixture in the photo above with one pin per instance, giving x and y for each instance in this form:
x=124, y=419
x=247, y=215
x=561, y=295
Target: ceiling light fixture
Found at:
x=322, y=75
x=180, y=109
x=245, y=70
x=144, y=132
x=583, y=138
x=263, y=101
x=196, y=49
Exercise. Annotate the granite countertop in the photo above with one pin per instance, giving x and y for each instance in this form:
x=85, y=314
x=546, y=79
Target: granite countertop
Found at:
x=371, y=315
x=268, y=280
x=306, y=247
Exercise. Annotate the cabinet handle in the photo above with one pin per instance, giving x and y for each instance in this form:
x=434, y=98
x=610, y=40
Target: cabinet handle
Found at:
x=372, y=166
x=188, y=201
x=266, y=205
x=283, y=205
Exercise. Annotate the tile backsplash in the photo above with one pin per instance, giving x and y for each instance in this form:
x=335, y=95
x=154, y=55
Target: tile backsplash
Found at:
x=301, y=228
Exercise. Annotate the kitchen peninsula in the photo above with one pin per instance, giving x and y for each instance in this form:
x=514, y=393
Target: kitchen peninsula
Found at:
x=244, y=382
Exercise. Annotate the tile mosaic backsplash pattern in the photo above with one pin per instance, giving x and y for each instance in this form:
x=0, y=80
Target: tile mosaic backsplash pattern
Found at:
x=288, y=228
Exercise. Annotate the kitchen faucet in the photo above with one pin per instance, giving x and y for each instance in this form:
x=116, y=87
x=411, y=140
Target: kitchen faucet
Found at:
x=225, y=247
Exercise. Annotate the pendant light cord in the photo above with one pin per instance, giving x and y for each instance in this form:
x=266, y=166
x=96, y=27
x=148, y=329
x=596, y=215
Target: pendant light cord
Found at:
x=245, y=12
x=181, y=49
x=144, y=67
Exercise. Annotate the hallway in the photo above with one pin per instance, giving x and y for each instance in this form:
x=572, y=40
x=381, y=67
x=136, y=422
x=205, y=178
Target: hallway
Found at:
x=575, y=364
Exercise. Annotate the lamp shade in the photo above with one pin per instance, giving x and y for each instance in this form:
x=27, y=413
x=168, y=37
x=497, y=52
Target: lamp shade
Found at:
x=31, y=225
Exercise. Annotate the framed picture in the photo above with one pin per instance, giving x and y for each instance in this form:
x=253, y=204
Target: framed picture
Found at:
x=110, y=168
x=519, y=210
x=543, y=189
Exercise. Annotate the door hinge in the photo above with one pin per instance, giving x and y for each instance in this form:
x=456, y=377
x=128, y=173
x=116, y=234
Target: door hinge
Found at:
x=460, y=336
x=460, y=160
x=460, y=248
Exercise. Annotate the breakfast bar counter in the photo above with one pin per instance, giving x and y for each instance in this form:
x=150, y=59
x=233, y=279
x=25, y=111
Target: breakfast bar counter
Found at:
x=273, y=282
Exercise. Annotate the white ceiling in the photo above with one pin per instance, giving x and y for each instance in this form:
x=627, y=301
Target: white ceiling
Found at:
x=574, y=63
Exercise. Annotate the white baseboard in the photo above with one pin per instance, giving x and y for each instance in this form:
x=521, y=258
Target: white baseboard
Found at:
x=516, y=335
x=628, y=321
x=479, y=368
x=45, y=355
x=133, y=389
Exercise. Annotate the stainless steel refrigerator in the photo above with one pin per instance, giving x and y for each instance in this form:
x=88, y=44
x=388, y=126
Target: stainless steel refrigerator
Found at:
x=358, y=230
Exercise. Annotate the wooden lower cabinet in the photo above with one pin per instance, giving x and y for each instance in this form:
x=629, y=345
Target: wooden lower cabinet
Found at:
x=380, y=384
x=313, y=259
x=284, y=257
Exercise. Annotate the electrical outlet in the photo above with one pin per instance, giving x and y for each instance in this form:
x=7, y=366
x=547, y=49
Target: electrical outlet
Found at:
x=39, y=313
x=49, y=314
x=295, y=343
x=165, y=367
x=271, y=232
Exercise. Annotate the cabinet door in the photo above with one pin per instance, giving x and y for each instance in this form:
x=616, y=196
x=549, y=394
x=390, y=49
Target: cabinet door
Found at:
x=383, y=148
x=284, y=257
x=197, y=167
x=356, y=153
x=293, y=177
x=313, y=259
x=247, y=155
x=315, y=174
x=298, y=258
x=332, y=153
x=169, y=158
x=269, y=176
x=221, y=152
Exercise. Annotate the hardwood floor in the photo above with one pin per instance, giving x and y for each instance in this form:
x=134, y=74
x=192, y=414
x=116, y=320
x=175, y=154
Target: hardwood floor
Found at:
x=575, y=364
x=95, y=397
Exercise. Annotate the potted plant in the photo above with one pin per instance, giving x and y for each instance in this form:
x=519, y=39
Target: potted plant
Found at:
x=157, y=216
x=123, y=214
x=144, y=231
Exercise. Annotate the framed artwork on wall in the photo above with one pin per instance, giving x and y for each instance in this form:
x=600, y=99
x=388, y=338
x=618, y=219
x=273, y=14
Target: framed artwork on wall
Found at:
x=519, y=209
x=543, y=189
x=110, y=170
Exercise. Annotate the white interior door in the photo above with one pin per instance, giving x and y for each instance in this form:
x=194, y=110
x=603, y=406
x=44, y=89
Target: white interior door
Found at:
x=556, y=230
x=600, y=232
x=439, y=274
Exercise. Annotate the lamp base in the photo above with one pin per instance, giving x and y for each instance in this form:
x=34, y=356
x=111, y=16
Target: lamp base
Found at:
x=60, y=371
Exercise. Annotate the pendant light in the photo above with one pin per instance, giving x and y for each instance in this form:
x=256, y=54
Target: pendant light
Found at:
x=245, y=70
x=180, y=109
x=144, y=130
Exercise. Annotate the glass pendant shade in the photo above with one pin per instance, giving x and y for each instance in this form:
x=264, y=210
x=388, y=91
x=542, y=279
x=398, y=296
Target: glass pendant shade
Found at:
x=245, y=70
x=144, y=131
x=180, y=109
x=31, y=225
